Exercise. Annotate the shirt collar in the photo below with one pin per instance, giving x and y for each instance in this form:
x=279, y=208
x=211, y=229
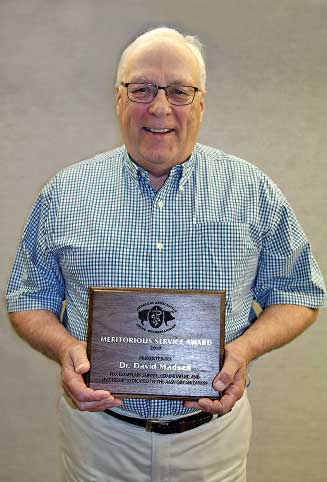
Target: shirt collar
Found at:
x=182, y=170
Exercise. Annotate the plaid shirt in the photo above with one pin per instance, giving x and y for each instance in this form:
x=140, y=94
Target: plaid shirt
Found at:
x=218, y=223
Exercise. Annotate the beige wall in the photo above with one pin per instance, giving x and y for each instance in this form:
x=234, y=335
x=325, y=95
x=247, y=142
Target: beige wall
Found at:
x=267, y=77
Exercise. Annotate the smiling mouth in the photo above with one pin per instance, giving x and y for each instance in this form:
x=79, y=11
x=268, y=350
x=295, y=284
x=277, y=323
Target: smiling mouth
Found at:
x=158, y=131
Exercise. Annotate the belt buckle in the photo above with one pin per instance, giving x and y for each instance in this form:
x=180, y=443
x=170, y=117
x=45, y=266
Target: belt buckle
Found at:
x=148, y=426
x=150, y=423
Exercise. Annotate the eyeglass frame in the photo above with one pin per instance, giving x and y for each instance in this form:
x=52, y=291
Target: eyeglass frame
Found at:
x=158, y=87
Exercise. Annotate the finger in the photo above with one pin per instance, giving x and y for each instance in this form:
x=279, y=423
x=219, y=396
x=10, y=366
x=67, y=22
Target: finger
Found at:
x=228, y=402
x=191, y=404
x=75, y=385
x=97, y=406
x=211, y=406
x=206, y=405
x=79, y=391
x=93, y=400
x=233, y=393
x=116, y=402
x=230, y=368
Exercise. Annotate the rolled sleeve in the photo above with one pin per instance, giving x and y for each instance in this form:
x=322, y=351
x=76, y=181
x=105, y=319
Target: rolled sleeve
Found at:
x=36, y=280
x=287, y=271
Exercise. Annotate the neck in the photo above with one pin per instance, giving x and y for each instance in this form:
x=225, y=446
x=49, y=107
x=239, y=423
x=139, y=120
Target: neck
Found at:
x=157, y=174
x=157, y=180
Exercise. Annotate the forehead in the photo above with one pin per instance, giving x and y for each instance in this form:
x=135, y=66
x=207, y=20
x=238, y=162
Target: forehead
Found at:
x=163, y=61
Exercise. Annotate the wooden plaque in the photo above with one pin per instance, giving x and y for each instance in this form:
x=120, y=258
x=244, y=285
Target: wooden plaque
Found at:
x=154, y=343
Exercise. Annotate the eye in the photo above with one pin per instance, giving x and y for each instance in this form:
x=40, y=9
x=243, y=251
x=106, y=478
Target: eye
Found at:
x=179, y=90
x=139, y=89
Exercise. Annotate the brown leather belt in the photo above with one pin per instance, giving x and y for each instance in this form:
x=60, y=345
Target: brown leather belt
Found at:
x=165, y=427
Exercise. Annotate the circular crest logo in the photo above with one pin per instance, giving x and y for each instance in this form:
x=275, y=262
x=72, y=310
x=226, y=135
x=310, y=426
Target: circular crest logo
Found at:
x=156, y=317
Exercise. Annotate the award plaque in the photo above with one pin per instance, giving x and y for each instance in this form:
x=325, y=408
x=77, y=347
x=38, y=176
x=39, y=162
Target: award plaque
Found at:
x=154, y=343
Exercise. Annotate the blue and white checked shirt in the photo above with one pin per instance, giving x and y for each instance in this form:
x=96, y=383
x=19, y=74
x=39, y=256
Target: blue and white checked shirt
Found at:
x=218, y=223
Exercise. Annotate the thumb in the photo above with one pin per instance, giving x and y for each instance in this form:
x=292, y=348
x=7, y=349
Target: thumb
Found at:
x=79, y=359
x=227, y=374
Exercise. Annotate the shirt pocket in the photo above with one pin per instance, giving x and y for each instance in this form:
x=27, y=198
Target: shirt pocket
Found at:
x=228, y=257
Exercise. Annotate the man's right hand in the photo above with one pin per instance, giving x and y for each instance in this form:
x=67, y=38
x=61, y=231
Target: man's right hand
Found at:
x=74, y=363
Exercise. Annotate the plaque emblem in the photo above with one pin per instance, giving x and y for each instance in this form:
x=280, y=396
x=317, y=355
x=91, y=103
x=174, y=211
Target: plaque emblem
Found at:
x=156, y=318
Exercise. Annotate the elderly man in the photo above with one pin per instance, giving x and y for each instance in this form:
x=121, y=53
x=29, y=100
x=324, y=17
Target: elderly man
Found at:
x=161, y=212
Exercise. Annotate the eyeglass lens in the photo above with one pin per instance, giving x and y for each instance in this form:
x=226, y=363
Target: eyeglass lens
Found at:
x=176, y=94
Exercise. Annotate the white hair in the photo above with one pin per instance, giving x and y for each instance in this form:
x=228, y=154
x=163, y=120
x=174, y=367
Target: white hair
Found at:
x=192, y=42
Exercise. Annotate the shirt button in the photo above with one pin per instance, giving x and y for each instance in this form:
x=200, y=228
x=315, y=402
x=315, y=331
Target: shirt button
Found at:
x=181, y=188
x=160, y=204
x=159, y=246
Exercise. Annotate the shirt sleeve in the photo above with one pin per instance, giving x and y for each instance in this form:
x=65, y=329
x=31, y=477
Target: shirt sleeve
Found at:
x=287, y=271
x=36, y=281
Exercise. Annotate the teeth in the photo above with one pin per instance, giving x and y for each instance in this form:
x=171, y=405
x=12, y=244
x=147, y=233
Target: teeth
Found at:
x=159, y=131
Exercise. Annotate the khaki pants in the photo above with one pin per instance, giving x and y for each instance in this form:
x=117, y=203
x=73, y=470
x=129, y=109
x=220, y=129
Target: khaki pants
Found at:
x=99, y=448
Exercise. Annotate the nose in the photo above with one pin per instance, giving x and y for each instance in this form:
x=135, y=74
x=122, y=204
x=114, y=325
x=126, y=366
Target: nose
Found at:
x=160, y=105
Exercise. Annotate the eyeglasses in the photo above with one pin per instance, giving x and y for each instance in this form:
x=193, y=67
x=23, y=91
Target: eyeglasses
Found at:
x=145, y=93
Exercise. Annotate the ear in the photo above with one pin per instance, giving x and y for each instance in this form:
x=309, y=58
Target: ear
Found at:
x=202, y=105
x=118, y=95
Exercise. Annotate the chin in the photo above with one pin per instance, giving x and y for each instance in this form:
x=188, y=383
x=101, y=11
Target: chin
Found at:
x=158, y=157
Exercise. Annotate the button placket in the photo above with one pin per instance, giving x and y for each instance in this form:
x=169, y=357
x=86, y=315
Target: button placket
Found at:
x=158, y=237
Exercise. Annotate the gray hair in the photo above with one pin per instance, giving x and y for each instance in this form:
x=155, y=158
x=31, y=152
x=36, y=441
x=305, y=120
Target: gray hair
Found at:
x=192, y=42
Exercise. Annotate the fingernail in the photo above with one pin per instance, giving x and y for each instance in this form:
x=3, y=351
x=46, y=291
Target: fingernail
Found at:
x=219, y=386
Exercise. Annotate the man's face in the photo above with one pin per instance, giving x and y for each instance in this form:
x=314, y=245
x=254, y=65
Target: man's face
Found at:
x=162, y=63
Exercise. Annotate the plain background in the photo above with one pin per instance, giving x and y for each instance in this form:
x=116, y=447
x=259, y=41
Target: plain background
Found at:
x=266, y=102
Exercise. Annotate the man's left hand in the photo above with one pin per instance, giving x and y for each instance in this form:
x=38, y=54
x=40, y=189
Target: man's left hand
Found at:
x=230, y=380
